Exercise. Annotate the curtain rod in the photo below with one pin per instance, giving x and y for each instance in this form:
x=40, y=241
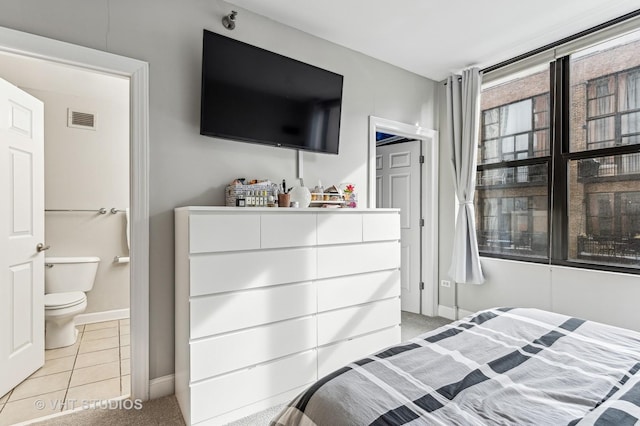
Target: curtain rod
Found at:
x=562, y=41
x=459, y=79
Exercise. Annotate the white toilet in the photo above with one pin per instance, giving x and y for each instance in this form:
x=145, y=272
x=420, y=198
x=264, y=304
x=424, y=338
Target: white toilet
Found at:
x=66, y=279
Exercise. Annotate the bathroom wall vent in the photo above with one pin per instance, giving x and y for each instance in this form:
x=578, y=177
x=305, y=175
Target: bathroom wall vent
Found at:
x=81, y=120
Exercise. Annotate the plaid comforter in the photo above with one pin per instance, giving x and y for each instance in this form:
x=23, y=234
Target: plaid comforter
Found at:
x=501, y=366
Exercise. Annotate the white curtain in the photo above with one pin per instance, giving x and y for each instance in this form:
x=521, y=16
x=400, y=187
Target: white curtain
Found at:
x=463, y=122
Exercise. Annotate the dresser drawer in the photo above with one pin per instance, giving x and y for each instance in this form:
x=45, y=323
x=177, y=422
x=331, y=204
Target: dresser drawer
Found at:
x=223, y=232
x=234, y=311
x=233, y=351
x=337, y=355
x=220, y=272
x=334, y=261
x=339, y=228
x=350, y=322
x=226, y=393
x=340, y=292
x=288, y=230
x=381, y=226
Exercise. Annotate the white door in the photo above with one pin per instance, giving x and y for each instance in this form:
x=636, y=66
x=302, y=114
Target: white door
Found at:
x=398, y=186
x=21, y=230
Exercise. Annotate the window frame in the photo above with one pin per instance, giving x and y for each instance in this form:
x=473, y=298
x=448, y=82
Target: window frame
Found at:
x=531, y=161
x=558, y=162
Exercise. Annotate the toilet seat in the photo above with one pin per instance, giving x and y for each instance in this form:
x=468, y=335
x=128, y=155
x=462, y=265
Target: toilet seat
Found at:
x=69, y=299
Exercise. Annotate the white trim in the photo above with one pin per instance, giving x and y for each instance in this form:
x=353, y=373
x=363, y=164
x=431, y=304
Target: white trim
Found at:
x=447, y=312
x=33, y=46
x=162, y=386
x=429, y=140
x=139, y=215
x=90, y=318
x=450, y=313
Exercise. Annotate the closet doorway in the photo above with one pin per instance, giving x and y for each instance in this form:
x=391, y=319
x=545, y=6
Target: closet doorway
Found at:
x=403, y=173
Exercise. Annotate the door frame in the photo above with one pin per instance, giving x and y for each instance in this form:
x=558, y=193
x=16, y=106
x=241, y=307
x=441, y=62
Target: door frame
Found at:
x=429, y=236
x=37, y=47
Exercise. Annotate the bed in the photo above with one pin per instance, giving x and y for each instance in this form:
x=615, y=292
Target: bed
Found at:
x=499, y=366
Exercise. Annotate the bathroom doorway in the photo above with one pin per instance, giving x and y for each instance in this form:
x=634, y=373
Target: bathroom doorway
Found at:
x=77, y=221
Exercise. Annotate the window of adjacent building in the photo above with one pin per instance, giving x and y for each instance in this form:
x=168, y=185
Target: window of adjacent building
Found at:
x=587, y=180
x=613, y=110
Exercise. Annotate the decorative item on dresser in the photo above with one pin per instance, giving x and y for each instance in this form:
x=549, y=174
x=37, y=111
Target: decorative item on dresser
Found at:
x=270, y=300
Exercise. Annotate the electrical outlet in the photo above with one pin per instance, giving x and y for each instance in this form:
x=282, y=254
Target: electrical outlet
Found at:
x=445, y=283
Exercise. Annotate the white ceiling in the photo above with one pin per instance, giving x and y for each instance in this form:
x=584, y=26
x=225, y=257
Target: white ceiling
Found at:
x=434, y=38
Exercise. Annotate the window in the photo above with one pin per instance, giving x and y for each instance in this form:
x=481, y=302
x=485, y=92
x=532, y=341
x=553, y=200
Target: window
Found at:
x=604, y=100
x=560, y=182
x=512, y=194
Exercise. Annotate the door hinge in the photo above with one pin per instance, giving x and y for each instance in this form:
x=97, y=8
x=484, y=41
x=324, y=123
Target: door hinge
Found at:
x=422, y=159
x=421, y=222
x=422, y=286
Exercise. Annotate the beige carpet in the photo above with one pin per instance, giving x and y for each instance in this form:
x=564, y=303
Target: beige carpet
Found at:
x=161, y=411
x=165, y=411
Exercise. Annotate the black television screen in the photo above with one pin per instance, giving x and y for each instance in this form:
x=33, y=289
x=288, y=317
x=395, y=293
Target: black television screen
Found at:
x=254, y=95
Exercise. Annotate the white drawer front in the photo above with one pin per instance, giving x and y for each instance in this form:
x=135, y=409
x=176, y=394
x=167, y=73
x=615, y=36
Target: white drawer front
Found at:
x=340, y=292
x=350, y=322
x=339, y=228
x=288, y=230
x=381, y=226
x=223, y=232
x=226, y=393
x=335, y=261
x=337, y=355
x=233, y=311
x=220, y=272
x=234, y=351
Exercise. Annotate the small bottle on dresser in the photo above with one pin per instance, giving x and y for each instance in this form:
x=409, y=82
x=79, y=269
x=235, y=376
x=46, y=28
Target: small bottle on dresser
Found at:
x=240, y=200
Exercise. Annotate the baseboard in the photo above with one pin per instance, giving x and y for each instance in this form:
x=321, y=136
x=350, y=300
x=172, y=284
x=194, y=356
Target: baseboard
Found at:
x=92, y=317
x=450, y=313
x=446, y=312
x=161, y=386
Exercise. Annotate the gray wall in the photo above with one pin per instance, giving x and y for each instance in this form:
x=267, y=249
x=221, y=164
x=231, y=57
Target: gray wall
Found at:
x=189, y=169
x=446, y=204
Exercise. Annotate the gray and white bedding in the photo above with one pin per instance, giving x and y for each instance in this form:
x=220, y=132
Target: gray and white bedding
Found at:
x=501, y=366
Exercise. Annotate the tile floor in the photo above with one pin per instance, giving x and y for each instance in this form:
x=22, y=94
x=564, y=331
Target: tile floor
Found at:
x=96, y=367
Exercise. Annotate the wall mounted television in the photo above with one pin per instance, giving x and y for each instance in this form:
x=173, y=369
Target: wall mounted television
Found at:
x=253, y=95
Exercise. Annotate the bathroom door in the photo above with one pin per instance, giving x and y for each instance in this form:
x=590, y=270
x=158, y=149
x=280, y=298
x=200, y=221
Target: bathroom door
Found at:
x=21, y=230
x=398, y=185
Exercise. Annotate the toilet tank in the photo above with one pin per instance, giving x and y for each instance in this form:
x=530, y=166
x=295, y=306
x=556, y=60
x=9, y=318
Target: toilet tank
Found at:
x=62, y=274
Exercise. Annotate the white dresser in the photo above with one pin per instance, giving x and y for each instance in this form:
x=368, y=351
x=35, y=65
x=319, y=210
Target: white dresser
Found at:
x=269, y=300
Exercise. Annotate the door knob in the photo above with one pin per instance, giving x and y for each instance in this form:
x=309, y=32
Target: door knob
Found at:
x=41, y=247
